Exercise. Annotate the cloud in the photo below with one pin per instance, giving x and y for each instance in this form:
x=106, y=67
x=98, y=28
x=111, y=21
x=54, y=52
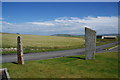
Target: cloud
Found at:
x=1, y=18
x=42, y=23
x=65, y=25
x=6, y=23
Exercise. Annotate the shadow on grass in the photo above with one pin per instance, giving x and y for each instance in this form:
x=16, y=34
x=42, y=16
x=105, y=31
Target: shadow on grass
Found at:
x=77, y=58
x=14, y=62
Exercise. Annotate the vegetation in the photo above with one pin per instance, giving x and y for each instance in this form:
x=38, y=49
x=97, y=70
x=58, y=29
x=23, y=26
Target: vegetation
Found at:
x=68, y=35
x=111, y=47
x=37, y=43
x=105, y=41
x=104, y=66
x=9, y=40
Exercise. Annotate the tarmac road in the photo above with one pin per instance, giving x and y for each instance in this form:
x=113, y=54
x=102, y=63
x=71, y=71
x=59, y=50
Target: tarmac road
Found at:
x=55, y=54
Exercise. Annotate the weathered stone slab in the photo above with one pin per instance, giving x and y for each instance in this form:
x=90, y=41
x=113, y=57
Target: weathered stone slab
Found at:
x=90, y=43
x=4, y=75
x=20, y=50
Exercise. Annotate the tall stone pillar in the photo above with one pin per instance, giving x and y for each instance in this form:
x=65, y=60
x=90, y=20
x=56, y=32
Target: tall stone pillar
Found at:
x=90, y=43
x=20, y=50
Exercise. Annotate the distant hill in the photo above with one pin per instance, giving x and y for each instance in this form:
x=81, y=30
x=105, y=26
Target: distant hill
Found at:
x=67, y=35
x=72, y=35
x=109, y=34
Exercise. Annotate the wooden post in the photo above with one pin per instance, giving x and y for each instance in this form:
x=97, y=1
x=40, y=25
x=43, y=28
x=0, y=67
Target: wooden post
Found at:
x=20, y=50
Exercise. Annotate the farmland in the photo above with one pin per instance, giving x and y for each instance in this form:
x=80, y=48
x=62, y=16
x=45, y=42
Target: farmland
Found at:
x=38, y=43
x=9, y=40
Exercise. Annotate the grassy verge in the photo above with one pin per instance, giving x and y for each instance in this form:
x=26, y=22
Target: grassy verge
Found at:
x=105, y=41
x=111, y=47
x=45, y=49
x=104, y=66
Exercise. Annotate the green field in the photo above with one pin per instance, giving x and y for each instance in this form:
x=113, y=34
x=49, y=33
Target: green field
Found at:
x=37, y=43
x=112, y=47
x=9, y=40
x=104, y=66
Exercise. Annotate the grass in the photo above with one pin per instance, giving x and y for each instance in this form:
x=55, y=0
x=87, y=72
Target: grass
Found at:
x=37, y=43
x=104, y=41
x=9, y=40
x=111, y=47
x=41, y=43
x=104, y=66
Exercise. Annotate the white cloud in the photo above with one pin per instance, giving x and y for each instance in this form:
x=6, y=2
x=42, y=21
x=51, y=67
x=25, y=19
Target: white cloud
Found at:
x=1, y=18
x=6, y=23
x=73, y=25
x=42, y=23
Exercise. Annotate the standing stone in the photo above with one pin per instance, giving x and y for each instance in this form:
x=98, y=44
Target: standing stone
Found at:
x=20, y=50
x=4, y=75
x=90, y=43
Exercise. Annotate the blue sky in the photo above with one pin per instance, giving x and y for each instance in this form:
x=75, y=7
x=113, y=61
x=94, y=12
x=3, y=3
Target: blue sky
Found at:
x=31, y=11
x=60, y=0
x=47, y=18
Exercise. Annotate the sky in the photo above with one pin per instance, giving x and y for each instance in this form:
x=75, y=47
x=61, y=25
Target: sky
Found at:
x=48, y=18
x=60, y=0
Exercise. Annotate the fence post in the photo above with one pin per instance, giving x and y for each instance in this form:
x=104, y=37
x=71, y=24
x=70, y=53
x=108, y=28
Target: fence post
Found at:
x=20, y=50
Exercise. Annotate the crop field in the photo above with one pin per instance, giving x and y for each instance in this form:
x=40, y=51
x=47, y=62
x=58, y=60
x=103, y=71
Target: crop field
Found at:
x=10, y=40
x=37, y=43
